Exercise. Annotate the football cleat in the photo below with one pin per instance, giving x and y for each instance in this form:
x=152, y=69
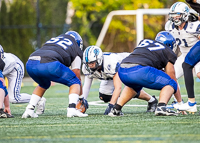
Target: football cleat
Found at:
x=164, y=111
x=72, y=112
x=189, y=107
x=5, y=115
x=171, y=106
x=152, y=106
x=114, y=112
x=29, y=113
x=41, y=106
x=177, y=104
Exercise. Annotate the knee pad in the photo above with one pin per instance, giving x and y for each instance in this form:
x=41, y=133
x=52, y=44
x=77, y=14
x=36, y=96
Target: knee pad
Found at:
x=104, y=97
x=137, y=95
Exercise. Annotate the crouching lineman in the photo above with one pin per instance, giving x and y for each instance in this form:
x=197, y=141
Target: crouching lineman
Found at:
x=4, y=98
x=104, y=66
x=14, y=72
x=142, y=68
x=51, y=63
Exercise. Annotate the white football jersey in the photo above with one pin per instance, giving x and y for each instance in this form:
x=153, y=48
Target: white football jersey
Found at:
x=111, y=62
x=11, y=62
x=186, y=37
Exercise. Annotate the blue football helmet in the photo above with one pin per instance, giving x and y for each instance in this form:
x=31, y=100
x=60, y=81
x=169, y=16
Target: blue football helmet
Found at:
x=77, y=37
x=167, y=39
x=1, y=52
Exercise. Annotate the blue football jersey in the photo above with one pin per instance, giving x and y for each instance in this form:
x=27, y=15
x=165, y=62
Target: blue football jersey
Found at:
x=151, y=53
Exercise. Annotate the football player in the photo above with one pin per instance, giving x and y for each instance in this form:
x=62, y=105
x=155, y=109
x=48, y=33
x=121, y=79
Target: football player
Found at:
x=191, y=59
x=187, y=34
x=143, y=68
x=104, y=66
x=14, y=71
x=4, y=98
x=51, y=63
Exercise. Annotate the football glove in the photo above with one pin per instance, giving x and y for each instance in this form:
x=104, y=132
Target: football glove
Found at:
x=84, y=101
x=110, y=106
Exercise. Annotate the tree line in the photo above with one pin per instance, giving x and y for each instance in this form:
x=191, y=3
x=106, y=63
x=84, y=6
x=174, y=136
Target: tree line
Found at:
x=19, y=23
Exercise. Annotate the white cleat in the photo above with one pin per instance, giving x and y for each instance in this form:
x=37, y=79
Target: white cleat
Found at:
x=72, y=112
x=41, y=106
x=177, y=104
x=187, y=107
x=29, y=113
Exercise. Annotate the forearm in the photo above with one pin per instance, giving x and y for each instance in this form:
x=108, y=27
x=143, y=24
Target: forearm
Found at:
x=86, y=87
x=115, y=96
x=6, y=102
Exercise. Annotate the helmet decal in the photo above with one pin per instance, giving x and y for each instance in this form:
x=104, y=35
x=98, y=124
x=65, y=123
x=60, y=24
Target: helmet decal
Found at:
x=96, y=52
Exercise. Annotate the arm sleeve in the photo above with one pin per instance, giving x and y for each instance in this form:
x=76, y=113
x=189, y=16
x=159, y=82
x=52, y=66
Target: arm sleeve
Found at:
x=86, y=86
x=76, y=64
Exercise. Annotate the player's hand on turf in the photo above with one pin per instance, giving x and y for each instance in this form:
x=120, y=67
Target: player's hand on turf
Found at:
x=182, y=112
x=7, y=110
x=110, y=106
x=84, y=101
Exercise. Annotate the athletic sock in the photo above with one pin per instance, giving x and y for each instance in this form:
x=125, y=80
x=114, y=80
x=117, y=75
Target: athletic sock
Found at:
x=117, y=106
x=151, y=99
x=161, y=104
x=34, y=99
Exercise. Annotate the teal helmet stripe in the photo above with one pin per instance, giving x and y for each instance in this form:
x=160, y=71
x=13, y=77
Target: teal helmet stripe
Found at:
x=173, y=8
x=86, y=54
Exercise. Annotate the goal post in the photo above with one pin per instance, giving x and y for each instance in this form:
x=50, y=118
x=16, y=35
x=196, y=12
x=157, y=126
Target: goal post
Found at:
x=139, y=21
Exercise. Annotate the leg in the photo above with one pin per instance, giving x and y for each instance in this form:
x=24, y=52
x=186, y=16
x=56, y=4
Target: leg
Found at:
x=165, y=94
x=14, y=85
x=35, y=98
x=152, y=101
x=74, y=92
x=191, y=60
x=126, y=95
x=164, y=97
x=106, y=90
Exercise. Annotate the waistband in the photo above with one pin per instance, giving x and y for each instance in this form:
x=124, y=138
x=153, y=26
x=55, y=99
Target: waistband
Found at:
x=35, y=58
x=127, y=65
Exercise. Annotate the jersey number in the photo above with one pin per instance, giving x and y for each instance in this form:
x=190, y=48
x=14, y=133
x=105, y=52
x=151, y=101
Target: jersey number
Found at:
x=60, y=41
x=155, y=46
x=179, y=42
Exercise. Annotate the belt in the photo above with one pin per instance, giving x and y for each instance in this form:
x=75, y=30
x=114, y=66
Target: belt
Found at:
x=126, y=65
x=35, y=58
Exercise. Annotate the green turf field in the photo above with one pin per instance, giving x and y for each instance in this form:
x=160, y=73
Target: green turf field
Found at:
x=135, y=126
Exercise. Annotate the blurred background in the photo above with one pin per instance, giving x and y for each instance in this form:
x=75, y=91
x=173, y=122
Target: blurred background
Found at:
x=25, y=25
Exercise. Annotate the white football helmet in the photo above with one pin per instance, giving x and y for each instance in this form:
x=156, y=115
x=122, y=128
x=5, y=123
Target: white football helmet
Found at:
x=1, y=52
x=92, y=54
x=179, y=13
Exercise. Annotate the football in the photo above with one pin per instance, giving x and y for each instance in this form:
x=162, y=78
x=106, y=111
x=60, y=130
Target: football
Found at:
x=80, y=106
